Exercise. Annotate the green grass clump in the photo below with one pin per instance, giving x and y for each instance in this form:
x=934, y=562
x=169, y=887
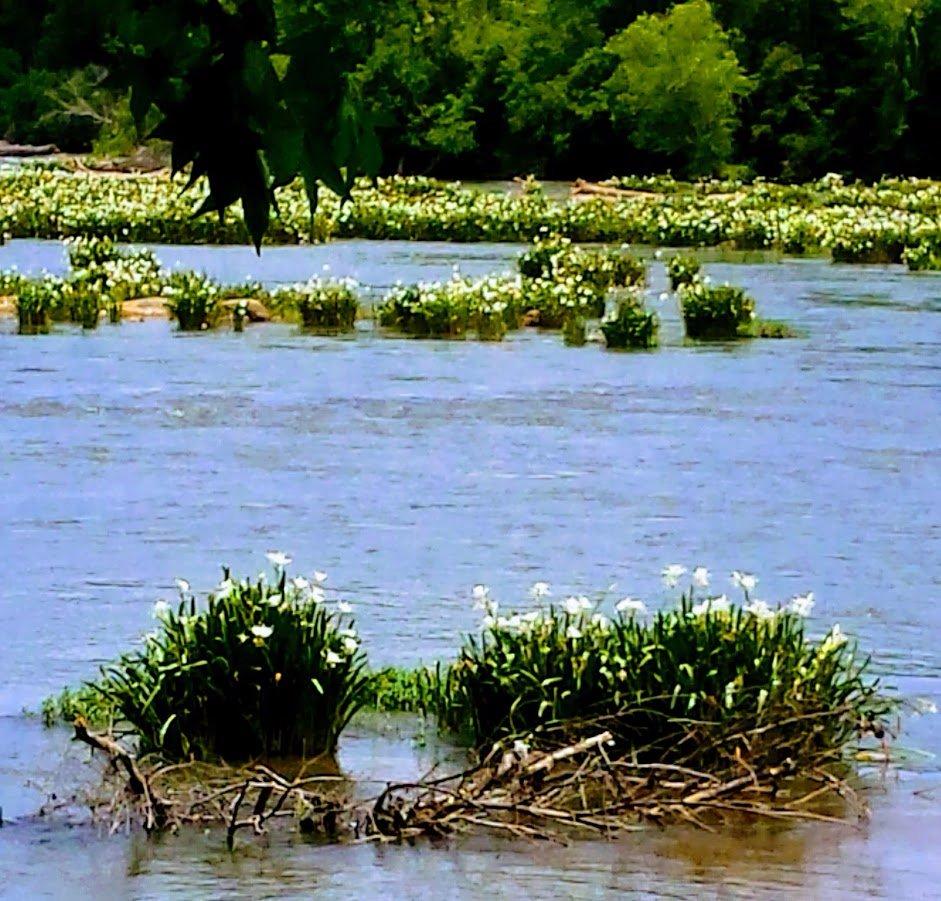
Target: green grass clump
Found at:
x=320, y=304
x=193, y=300
x=715, y=312
x=631, y=326
x=701, y=683
x=574, y=331
x=261, y=669
x=682, y=270
x=768, y=328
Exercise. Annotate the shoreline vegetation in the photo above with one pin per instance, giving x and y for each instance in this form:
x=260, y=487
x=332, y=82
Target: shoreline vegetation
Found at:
x=589, y=293
x=589, y=715
x=890, y=221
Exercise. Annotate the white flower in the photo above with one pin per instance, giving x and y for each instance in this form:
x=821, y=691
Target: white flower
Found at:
x=262, y=631
x=600, y=620
x=745, y=581
x=277, y=559
x=671, y=574
x=273, y=600
x=161, y=609
x=701, y=577
x=332, y=658
x=802, y=604
x=182, y=586
x=539, y=590
x=718, y=604
x=759, y=609
x=573, y=632
x=320, y=576
x=316, y=594
x=343, y=607
x=631, y=605
x=350, y=645
x=480, y=592
x=225, y=588
x=575, y=604
x=836, y=638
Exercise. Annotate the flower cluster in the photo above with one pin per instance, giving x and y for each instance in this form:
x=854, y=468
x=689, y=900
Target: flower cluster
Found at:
x=319, y=304
x=856, y=222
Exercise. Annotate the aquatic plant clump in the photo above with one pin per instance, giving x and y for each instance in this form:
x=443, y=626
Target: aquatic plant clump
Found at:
x=38, y=303
x=705, y=683
x=262, y=668
x=856, y=222
x=557, y=258
x=193, y=300
x=718, y=312
x=682, y=270
x=490, y=306
x=328, y=305
x=630, y=325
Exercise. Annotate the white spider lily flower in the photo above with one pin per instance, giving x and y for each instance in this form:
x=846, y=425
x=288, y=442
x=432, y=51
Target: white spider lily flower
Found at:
x=570, y=605
x=332, y=658
x=701, y=577
x=480, y=592
x=161, y=609
x=182, y=586
x=320, y=576
x=718, y=604
x=273, y=600
x=262, y=631
x=350, y=646
x=631, y=606
x=344, y=607
x=573, y=632
x=277, y=559
x=760, y=610
x=802, y=604
x=745, y=581
x=575, y=604
x=671, y=574
x=225, y=588
x=835, y=639
x=300, y=583
x=539, y=590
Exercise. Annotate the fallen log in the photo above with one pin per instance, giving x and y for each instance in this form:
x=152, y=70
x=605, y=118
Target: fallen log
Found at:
x=27, y=150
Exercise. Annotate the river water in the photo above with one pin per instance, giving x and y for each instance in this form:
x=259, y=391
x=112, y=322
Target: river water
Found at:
x=411, y=471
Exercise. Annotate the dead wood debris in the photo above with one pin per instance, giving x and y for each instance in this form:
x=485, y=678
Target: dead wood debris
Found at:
x=576, y=788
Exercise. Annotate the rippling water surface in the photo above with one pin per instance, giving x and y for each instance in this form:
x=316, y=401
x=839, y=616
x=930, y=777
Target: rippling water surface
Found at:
x=412, y=470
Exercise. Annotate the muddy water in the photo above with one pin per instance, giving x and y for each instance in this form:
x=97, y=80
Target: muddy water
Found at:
x=410, y=471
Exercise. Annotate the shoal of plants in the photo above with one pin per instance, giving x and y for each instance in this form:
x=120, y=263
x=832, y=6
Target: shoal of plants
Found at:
x=891, y=221
x=736, y=702
x=582, y=291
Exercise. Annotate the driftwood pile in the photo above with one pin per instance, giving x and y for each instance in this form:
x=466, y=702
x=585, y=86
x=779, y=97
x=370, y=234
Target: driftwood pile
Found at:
x=555, y=794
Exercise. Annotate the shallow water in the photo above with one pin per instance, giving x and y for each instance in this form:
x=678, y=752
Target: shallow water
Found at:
x=412, y=470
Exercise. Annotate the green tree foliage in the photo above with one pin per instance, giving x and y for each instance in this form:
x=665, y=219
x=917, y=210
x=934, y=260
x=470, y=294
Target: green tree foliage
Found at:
x=676, y=86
